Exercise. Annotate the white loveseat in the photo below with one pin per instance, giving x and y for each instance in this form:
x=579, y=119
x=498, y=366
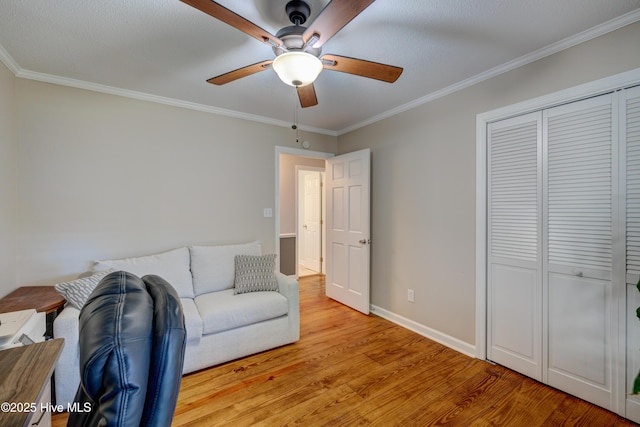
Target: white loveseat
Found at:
x=221, y=325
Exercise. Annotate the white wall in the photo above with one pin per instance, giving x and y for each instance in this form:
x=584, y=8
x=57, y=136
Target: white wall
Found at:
x=103, y=176
x=8, y=181
x=423, y=187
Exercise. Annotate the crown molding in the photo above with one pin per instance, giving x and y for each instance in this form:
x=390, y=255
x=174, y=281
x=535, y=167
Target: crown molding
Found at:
x=591, y=33
x=8, y=61
x=561, y=45
x=111, y=90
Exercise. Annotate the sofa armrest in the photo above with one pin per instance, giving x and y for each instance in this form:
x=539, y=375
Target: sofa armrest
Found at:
x=288, y=286
x=67, y=371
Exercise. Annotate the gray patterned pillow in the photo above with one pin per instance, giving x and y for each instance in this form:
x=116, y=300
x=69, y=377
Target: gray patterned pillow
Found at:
x=77, y=291
x=255, y=273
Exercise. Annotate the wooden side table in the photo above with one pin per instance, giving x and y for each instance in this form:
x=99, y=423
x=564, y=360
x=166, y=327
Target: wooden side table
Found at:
x=41, y=298
x=24, y=385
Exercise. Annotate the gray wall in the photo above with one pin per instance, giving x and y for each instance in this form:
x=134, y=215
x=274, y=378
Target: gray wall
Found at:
x=423, y=185
x=8, y=181
x=104, y=176
x=288, y=255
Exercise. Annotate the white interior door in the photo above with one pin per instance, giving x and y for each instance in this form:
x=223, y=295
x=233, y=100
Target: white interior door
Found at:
x=514, y=322
x=309, y=219
x=348, y=229
x=581, y=191
x=553, y=208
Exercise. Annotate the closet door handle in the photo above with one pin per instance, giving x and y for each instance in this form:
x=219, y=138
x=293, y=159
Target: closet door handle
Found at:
x=577, y=272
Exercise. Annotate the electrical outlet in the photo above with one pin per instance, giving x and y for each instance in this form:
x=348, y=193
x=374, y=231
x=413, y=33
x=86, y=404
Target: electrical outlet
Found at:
x=411, y=295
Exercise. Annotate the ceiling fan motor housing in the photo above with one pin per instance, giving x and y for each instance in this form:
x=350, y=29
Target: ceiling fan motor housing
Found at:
x=292, y=41
x=298, y=11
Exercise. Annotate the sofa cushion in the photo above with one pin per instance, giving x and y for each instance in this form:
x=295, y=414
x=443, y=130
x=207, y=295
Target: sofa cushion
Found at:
x=192, y=320
x=77, y=292
x=213, y=266
x=172, y=266
x=223, y=310
x=255, y=273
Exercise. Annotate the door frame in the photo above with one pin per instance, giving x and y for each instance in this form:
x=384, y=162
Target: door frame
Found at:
x=295, y=152
x=321, y=171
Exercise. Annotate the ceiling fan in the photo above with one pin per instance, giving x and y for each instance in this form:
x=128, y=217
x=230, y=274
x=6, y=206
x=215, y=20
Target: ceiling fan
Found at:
x=298, y=48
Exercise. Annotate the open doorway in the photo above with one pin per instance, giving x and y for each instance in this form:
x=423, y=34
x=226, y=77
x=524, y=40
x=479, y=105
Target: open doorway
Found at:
x=346, y=252
x=289, y=228
x=310, y=220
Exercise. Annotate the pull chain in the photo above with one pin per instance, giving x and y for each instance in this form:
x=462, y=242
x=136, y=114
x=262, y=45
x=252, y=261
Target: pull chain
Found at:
x=295, y=117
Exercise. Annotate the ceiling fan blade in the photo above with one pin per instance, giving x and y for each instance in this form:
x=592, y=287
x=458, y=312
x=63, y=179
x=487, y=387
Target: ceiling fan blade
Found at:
x=333, y=17
x=307, y=95
x=360, y=67
x=229, y=17
x=240, y=73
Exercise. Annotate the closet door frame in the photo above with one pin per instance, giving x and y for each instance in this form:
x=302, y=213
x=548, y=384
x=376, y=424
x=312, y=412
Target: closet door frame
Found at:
x=599, y=87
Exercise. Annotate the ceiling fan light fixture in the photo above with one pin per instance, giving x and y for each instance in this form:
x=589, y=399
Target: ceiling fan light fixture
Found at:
x=297, y=68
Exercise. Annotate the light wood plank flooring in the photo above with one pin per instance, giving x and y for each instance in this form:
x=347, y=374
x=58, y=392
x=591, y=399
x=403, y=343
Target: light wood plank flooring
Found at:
x=349, y=369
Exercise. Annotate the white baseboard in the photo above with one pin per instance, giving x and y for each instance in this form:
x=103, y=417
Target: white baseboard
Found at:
x=425, y=331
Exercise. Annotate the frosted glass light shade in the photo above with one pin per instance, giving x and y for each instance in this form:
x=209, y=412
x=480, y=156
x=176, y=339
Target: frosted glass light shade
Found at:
x=297, y=68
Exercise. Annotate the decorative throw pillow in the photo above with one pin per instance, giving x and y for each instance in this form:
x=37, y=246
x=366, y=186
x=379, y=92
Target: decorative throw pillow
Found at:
x=255, y=273
x=77, y=291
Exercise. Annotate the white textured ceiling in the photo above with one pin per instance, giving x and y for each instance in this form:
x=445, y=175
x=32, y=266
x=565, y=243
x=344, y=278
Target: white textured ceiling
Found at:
x=166, y=50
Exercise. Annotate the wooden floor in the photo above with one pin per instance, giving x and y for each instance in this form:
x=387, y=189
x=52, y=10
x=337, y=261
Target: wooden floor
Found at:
x=350, y=369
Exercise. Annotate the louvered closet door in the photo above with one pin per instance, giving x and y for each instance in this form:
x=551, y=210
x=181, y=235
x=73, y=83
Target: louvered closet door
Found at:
x=631, y=135
x=514, y=228
x=580, y=188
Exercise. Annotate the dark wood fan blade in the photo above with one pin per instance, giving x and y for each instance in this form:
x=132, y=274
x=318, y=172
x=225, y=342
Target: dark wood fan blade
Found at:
x=229, y=17
x=307, y=95
x=360, y=67
x=240, y=73
x=333, y=17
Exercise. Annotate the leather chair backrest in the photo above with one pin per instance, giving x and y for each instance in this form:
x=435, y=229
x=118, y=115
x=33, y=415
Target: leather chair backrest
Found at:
x=132, y=339
x=167, y=355
x=115, y=337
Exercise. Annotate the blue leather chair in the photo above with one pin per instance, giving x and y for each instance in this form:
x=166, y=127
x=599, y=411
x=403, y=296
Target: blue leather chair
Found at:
x=132, y=340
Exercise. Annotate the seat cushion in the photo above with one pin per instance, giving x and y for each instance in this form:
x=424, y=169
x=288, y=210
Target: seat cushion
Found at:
x=172, y=266
x=223, y=310
x=213, y=267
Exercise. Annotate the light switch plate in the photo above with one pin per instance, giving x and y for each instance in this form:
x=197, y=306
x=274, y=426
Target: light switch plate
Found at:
x=268, y=213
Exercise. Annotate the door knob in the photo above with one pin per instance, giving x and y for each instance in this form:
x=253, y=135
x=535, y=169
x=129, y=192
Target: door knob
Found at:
x=364, y=241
